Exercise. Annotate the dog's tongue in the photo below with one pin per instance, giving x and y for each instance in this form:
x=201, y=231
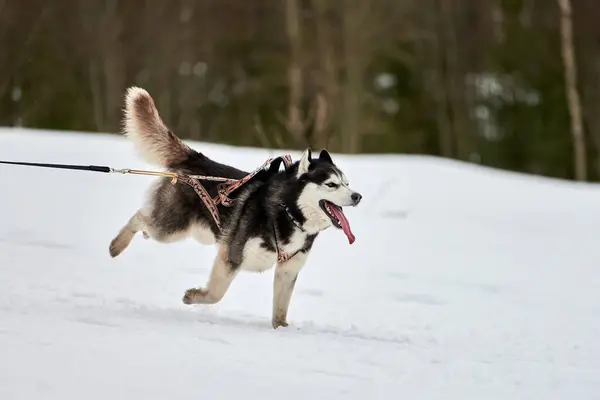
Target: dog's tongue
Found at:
x=344, y=222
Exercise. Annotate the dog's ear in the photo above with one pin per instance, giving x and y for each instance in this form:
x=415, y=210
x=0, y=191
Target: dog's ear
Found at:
x=274, y=167
x=324, y=156
x=304, y=162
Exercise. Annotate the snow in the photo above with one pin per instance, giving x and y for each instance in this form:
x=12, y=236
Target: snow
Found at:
x=464, y=283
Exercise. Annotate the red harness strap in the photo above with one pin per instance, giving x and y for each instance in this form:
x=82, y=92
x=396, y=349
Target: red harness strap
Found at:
x=209, y=202
x=282, y=256
x=223, y=189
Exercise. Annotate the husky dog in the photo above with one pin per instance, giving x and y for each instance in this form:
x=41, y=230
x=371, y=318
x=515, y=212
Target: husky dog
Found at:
x=274, y=219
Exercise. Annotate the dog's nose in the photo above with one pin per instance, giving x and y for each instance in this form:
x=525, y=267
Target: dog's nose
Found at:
x=356, y=197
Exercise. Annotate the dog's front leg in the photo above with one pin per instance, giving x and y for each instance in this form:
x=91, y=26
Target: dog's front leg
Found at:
x=221, y=276
x=286, y=274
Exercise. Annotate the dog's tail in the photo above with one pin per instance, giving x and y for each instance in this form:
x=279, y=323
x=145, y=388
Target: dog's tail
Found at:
x=152, y=139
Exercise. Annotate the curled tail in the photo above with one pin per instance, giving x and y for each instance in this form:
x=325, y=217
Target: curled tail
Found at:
x=152, y=139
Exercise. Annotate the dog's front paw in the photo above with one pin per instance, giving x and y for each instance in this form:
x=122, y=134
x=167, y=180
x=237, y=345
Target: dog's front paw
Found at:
x=195, y=296
x=277, y=322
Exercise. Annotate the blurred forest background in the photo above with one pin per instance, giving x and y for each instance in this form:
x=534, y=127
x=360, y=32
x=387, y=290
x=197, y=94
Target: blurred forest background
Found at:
x=513, y=84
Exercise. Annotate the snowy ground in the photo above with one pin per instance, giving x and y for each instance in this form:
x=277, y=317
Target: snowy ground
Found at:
x=464, y=283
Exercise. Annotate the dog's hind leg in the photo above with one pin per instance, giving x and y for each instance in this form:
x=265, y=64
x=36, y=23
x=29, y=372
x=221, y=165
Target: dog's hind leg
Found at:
x=286, y=274
x=126, y=234
x=221, y=276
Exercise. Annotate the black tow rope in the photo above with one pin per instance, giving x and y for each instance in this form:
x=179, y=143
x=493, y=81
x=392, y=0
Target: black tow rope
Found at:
x=94, y=168
x=100, y=168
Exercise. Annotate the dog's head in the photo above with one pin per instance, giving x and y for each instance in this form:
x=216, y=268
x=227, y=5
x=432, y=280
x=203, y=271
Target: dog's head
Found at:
x=325, y=190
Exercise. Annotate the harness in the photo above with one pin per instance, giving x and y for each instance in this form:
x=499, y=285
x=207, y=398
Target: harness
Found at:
x=281, y=255
x=227, y=186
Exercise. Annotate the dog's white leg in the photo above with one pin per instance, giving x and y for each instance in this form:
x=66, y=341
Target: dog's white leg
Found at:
x=221, y=276
x=284, y=282
x=126, y=234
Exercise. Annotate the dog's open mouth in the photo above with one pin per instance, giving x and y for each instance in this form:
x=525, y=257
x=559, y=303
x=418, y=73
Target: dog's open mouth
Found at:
x=337, y=217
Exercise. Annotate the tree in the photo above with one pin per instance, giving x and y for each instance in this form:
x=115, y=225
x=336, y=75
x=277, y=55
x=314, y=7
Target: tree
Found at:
x=296, y=82
x=568, y=53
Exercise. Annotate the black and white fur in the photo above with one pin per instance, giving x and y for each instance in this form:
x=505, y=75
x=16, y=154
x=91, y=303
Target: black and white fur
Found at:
x=288, y=201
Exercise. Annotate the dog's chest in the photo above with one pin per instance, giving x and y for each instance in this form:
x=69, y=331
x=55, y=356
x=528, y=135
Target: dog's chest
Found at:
x=297, y=241
x=258, y=258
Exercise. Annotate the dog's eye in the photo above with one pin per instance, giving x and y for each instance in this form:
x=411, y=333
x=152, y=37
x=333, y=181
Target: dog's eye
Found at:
x=331, y=185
